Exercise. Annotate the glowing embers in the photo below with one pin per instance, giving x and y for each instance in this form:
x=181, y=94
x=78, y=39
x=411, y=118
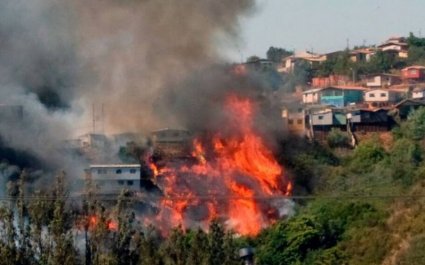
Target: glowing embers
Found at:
x=235, y=178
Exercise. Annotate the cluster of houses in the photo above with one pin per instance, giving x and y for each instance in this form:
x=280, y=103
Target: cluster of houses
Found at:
x=370, y=104
x=371, y=108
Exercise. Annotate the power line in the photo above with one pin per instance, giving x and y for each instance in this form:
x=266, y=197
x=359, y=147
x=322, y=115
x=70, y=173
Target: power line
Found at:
x=219, y=197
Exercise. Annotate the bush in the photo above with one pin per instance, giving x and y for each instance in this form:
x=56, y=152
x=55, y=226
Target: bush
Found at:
x=337, y=138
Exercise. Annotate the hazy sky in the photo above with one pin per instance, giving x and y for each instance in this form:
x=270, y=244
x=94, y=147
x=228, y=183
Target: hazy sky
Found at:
x=325, y=25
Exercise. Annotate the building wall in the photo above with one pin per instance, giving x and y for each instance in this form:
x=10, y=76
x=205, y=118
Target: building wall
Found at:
x=418, y=94
x=112, y=179
x=413, y=73
x=311, y=98
x=321, y=118
x=340, y=97
x=378, y=95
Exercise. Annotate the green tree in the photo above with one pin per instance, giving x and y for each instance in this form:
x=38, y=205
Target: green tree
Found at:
x=276, y=55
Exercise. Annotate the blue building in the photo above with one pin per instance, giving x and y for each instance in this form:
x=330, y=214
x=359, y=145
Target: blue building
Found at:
x=341, y=96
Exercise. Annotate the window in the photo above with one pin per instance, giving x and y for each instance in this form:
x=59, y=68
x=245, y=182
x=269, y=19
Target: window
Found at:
x=129, y=182
x=320, y=117
x=371, y=95
x=118, y=171
x=290, y=121
x=120, y=182
x=383, y=95
x=101, y=171
x=299, y=121
x=132, y=171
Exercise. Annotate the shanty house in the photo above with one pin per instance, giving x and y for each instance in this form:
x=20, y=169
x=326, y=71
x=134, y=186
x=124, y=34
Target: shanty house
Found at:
x=406, y=106
x=368, y=120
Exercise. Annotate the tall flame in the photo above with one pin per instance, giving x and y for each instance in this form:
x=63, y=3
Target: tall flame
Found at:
x=235, y=178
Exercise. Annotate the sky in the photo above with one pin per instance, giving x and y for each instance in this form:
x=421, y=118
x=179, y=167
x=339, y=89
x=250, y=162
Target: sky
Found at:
x=325, y=25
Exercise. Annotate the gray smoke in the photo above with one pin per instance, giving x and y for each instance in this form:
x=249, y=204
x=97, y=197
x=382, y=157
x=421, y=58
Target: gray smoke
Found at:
x=59, y=57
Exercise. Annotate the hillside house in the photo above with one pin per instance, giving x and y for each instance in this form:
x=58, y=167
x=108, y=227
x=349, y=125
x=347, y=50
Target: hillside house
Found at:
x=288, y=63
x=418, y=92
x=332, y=80
x=413, y=73
x=172, y=143
x=321, y=121
x=259, y=65
x=341, y=96
x=293, y=117
x=368, y=120
x=312, y=96
x=111, y=179
x=396, y=46
x=380, y=98
x=404, y=107
x=381, y=80
x=362, y=55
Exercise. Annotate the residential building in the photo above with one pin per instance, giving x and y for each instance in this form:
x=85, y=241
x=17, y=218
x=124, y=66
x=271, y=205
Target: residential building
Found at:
x=293, y=117
x=113, y=178
x=413, y=73
x=362, y=55
x=340, y=96
x=396, y=46
x=404, y=107
x=418, y=92
x=288, y=63
x=369, y=120
x=381, y=80
x=312, y=96
x=381, y=98
x=172, y=143
x=332, y=80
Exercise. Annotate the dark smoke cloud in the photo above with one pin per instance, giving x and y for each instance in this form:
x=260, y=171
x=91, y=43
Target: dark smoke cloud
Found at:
x=137, y=49
x=58, y=57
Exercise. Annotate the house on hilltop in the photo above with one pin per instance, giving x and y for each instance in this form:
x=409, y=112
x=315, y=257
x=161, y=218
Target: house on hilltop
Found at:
x=362, y=55
x=288, y=63
x=396, y=46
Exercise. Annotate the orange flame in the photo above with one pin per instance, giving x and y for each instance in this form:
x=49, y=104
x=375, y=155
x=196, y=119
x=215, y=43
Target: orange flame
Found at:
x=229, y=183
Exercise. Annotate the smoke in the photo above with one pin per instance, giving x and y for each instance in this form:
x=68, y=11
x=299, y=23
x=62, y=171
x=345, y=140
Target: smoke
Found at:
x=59, y=57
x=138, y=50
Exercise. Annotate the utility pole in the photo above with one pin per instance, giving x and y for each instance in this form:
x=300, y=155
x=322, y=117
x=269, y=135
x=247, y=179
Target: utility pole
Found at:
x=93, y=118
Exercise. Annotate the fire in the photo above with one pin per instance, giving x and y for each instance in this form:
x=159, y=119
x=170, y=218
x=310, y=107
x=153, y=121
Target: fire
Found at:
x=235, y=177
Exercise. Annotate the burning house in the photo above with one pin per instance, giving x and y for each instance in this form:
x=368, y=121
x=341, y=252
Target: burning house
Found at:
x=112, y=179
x=172, y=143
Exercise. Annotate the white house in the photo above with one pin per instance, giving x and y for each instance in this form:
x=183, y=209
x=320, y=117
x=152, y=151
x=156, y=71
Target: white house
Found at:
x=312, y=96
x=418, y=93
x=113, y=178
x=382, y=97
x=288, y=63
